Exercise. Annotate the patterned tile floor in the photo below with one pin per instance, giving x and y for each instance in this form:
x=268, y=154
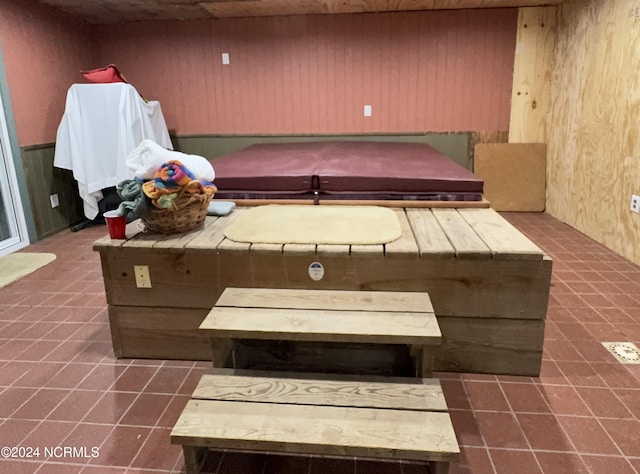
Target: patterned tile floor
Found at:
x=60, y=385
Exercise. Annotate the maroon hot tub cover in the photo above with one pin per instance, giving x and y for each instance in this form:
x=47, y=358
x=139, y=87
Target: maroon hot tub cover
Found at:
x=344, y=170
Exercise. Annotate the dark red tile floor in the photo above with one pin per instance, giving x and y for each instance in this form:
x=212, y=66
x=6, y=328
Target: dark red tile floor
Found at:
x=60, y=385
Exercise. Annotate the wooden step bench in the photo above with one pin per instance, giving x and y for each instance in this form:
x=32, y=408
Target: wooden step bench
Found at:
x=334, y=316
x=377, y=418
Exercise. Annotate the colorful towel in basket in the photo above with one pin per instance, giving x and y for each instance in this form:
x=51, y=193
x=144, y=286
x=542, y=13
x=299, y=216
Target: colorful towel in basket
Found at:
x=169, y=180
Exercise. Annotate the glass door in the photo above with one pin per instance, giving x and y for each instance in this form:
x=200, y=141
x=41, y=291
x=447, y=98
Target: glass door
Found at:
x=13, y=229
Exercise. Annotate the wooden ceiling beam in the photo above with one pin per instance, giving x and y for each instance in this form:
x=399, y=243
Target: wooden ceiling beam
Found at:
x=247, y=8
x=114, y=11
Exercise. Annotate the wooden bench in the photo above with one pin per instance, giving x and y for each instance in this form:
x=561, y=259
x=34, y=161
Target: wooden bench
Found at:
x=379, y=418
x=333, y=316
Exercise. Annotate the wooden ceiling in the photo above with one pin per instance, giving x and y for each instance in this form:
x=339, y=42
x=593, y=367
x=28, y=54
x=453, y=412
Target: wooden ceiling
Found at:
x=115, y=11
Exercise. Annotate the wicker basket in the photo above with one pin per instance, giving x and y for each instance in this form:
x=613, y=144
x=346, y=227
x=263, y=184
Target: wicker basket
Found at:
x=187, y=213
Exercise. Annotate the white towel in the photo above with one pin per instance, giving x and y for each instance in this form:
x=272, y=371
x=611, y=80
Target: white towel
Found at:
x=101, y=124
x=145, y=160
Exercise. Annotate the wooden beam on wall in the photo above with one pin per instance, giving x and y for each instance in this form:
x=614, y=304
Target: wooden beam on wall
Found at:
x=249, y=8
x=533, y=66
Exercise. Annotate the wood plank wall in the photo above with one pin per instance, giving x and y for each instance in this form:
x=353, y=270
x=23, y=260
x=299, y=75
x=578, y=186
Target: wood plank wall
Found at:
x=43, y=179
x=594, y=139
x=438, y=71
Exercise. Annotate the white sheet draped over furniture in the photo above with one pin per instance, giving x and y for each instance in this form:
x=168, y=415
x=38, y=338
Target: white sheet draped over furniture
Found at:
x=102, y=124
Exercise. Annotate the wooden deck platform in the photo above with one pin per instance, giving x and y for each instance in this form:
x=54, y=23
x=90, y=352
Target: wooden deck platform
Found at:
x=488, y=283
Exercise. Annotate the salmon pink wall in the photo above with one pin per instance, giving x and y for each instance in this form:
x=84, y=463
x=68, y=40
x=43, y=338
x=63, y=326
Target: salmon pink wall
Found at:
x=433, y=71
x=43, y=52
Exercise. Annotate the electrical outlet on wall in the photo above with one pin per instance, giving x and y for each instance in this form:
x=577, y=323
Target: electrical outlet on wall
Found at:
x=55, y=202
x=635, y=203
x=143, y=279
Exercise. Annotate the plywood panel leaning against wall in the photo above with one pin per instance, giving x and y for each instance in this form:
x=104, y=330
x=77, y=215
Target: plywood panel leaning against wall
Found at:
x=594, y=139
x=531, y=93
x=514, y=175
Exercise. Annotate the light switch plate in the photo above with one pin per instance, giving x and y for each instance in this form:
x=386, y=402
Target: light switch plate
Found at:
x=143, y=279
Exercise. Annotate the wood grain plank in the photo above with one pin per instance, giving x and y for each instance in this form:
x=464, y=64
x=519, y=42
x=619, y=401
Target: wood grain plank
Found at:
x=431, y=240
x=299, y=249
x=456, y=287
x=326, y=299
x=374, y=433
x=504, y=240
x=367, y=250
x=406, y=244
x=213, y=233
x=474, y=345
x=333, y=250
x=475, y=288
x=463, y=238
x=243, y=8
x=149, y=333
x=490, y=346
x=177, y=242
x=232, y=246
x=146, y=239
x=106, y=243
x=426, y=396
x=266, y=249
x=351, y=377
x=380, y=327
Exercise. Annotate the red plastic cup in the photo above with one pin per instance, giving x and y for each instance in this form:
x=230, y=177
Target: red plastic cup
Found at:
x=116, y=224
